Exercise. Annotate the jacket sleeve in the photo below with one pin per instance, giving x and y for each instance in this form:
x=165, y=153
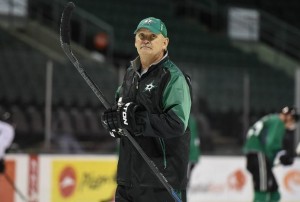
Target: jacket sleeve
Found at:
x=7, y=134
x=176, y=104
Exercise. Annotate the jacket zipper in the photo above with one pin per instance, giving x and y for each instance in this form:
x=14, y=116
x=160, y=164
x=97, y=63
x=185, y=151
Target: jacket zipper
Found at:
x=137, y=78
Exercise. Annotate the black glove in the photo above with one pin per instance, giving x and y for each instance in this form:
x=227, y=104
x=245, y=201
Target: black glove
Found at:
x=109, y=121
x=2, y=166
x=286, y=160
x=127, y=116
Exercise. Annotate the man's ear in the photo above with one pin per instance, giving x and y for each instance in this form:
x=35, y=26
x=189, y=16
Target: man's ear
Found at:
x=135, y=41
x=166, y=43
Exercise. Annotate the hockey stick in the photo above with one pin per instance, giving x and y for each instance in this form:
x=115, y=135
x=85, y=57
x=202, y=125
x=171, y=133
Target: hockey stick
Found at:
x=66, y=46
x=9, y=180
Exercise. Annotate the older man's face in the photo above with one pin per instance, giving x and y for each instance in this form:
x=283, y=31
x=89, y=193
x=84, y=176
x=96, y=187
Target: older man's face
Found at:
x=148, y=43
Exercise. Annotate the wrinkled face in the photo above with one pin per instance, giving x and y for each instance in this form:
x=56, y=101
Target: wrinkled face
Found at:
x=148, y=43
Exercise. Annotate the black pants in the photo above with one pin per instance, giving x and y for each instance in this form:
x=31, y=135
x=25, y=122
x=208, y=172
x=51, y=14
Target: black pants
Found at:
x=145, y=194
x=261, y=169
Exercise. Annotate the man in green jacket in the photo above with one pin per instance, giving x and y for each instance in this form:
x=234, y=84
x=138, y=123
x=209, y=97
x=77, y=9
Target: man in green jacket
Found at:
x=154, y=106
x=265, y=143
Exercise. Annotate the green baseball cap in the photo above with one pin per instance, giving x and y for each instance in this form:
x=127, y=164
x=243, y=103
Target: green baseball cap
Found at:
x=155, y=25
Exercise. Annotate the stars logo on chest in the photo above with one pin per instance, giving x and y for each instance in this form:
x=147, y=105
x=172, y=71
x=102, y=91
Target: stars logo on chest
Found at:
x=149, y=87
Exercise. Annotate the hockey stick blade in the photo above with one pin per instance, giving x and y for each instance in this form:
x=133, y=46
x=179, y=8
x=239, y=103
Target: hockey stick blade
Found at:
x=65, y=41
x=65, y=28
x=65, y=44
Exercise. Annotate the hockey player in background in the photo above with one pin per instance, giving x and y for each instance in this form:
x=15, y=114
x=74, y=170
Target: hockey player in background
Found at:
x=264, y=144
x=194, y=154
x=7, y=133
x=154, y=106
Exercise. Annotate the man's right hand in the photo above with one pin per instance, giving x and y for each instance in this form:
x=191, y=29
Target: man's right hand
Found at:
x=109, y=120
x=2, y=166
x=127, y=116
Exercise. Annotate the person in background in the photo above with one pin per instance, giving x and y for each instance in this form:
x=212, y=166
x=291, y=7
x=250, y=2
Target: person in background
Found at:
x=264, y=144
x=195, y=151
x=7, y=133
x=154, y=106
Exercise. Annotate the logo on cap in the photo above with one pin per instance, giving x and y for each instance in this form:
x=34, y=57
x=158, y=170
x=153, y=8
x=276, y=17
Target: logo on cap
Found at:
x=148, y=21
x=154, y=25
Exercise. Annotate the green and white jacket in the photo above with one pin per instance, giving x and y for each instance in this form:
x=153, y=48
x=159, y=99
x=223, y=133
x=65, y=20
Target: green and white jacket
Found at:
x=164, y=92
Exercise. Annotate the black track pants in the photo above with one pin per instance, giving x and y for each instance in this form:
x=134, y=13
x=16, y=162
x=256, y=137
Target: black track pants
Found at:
x=145, y=194
x=262, y=174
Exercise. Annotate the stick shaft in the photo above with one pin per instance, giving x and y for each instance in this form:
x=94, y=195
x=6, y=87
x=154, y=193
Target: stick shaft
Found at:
x=12, y=184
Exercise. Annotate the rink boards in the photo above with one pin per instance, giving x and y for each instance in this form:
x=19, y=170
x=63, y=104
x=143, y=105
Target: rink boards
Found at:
x=91, y=178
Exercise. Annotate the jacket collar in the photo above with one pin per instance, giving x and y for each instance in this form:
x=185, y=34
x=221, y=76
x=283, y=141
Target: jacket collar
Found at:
x=136, y=63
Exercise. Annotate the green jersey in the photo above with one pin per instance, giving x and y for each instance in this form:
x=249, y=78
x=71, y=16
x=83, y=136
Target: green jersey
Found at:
x=266, y=136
